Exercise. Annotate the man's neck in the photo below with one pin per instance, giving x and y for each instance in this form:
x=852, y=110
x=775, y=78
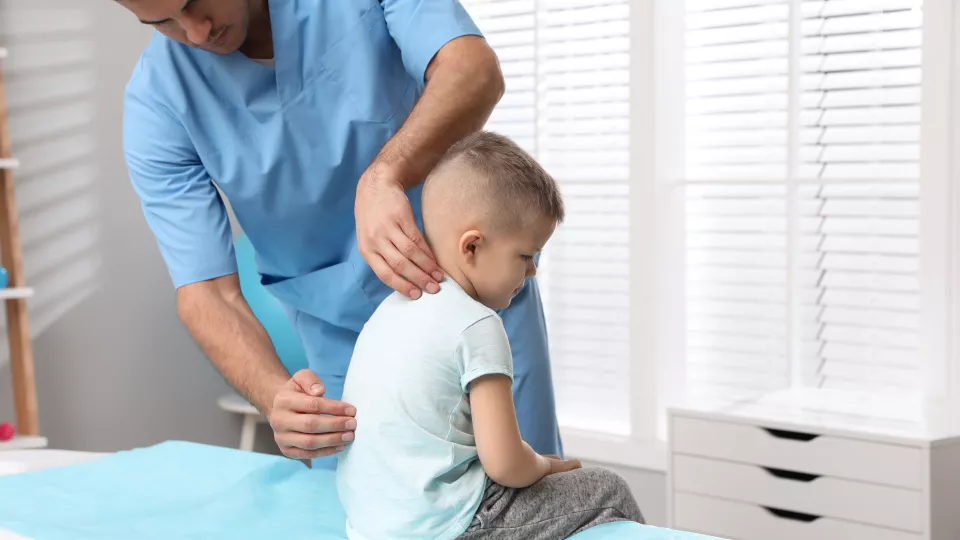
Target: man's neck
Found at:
x=259, y=42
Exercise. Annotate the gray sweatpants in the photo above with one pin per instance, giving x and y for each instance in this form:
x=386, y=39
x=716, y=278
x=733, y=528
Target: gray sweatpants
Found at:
x=558, y=506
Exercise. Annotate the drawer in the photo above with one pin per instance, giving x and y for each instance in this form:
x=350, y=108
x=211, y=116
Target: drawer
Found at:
x=742, y=521
x=812, y=453
x=873, y=504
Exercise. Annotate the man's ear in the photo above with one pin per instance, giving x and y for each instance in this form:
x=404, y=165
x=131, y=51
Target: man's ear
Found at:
x=470, y=241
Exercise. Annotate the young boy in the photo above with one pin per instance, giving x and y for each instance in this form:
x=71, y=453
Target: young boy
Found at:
x=438, y=454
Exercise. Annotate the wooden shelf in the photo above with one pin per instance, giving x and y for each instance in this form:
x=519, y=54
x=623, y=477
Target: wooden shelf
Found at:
x=11, y=293
x=18, y=332
x=24, y=443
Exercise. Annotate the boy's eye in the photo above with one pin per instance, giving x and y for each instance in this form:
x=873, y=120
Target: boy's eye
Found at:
x=526, y=257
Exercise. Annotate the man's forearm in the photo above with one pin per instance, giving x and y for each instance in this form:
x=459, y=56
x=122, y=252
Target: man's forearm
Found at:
x=224, y=326
x=464, y=84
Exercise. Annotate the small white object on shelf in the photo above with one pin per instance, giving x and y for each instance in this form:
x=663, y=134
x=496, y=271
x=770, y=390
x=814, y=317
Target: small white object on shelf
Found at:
x=10, y=293
x=24, y=443
x=9, y=163
x=3, y=52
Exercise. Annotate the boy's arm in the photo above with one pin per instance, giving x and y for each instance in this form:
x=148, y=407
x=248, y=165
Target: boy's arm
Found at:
x=506, y=458
x=487, y=369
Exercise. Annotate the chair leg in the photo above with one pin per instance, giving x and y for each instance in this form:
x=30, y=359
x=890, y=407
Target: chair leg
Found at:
x=248, y=432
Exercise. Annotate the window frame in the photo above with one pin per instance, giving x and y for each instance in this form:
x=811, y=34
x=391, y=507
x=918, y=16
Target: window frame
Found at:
x=939, y=204
x=657, y=294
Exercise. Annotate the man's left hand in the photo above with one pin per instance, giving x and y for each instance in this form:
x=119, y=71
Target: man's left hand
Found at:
x=389, y=239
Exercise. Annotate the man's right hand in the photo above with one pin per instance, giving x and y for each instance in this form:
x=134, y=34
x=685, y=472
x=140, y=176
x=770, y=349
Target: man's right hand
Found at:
x=307, y=425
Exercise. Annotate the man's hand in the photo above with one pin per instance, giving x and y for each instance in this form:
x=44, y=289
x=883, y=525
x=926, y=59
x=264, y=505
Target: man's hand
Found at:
x=389, y=239
x=307, y=425
x=558, y=465
x=463, y=84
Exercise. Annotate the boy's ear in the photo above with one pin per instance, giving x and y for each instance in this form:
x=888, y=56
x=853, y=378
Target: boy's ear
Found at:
x=469, y=243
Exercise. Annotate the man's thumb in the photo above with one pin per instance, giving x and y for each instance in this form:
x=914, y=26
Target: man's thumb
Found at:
x=309, y=382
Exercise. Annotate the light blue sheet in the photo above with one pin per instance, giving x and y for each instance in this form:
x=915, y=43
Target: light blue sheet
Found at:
x=188, y=490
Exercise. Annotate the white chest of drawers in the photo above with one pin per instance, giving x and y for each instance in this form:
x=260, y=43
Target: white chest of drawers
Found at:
x=770, y=471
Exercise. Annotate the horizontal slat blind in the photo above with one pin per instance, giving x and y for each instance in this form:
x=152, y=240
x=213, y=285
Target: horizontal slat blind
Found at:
x=49, y=78
x=860, y=119
x=858, y=143
x=566, y=65
x=737, y=81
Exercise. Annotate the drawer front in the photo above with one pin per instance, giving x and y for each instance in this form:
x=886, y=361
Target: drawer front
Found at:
x=809, y=453
x=873, y=504
x=742, y=521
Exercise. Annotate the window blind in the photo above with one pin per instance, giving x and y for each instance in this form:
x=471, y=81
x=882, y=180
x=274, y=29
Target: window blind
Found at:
x=566, y=64
x=50, y=83
x=802, y=161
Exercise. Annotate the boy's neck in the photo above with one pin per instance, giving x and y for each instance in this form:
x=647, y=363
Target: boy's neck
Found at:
x=453, y=272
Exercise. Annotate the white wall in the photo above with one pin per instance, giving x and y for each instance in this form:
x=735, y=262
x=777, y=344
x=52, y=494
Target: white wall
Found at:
x=115, y=368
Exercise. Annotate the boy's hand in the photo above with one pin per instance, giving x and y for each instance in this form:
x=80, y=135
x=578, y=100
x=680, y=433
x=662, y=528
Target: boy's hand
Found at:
x=558, y=465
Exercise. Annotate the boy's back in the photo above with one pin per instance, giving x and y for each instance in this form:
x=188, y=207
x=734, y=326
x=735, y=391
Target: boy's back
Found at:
x=413, y=468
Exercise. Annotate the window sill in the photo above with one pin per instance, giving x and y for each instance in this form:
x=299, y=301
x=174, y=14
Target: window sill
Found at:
x=649, y=455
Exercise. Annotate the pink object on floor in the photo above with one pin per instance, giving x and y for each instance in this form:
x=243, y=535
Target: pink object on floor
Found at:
x=7, y=431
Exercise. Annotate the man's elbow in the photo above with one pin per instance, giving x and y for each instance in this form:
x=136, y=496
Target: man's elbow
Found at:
x=194, y=299
x=475, y=65
x=186, y=303
x=492, y=76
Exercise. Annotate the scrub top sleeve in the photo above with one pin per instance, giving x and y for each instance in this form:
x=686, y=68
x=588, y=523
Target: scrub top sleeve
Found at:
x=180, y=202
x=483, y=349
x=422, y=27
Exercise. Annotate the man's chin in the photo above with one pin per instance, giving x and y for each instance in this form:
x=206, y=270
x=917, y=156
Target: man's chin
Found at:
x=225, y=49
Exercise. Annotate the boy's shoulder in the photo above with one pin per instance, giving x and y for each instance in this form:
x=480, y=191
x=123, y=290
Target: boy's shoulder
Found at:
x=451, y=310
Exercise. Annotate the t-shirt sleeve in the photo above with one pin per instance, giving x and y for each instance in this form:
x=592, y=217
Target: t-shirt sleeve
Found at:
x=484, y=349
x=422, y=27
x=179, y=200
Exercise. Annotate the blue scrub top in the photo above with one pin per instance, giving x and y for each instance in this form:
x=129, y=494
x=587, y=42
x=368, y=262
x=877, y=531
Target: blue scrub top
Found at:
x=286, y=145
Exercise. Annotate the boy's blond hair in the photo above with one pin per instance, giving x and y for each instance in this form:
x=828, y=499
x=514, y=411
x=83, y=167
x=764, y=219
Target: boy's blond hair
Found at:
x=489, y=174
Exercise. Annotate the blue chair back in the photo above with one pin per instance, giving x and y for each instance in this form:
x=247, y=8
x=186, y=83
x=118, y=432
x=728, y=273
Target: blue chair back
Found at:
x=268, y=309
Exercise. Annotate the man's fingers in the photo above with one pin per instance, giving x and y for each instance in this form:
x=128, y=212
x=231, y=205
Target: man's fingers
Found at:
x=297, y=453
x=303, y=441
x=411, y=262
x=318, y=423
x=308, y=382
x=393, y=280
x=303, y=403
x=403, y=266
x=411, y=233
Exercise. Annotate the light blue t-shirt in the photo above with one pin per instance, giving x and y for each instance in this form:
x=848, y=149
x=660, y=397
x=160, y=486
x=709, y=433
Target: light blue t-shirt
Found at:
x=413, y=471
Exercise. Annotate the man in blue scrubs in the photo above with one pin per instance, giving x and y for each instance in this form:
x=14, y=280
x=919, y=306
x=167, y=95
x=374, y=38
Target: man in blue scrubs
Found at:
x=317, y=120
